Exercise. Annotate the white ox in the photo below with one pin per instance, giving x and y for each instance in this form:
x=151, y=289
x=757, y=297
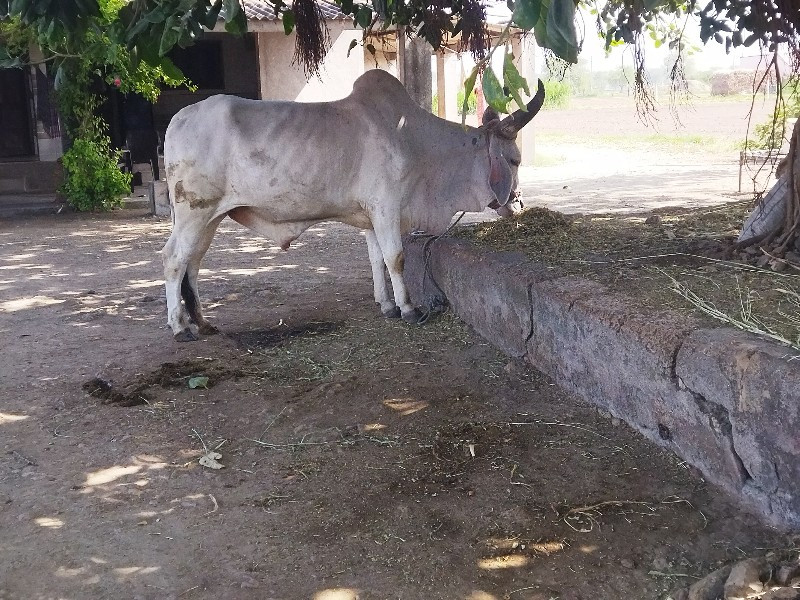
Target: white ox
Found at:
x=374, y=160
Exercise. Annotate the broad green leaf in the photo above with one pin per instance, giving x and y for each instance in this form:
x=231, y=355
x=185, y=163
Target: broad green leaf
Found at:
x=198, y=382
x=353, y=44
x=213, y=14
x=237, y=25
x=363, y=17
x=651, y=4
x=493, y=92
x=171, y=70
x=347, y=7
x=288, y=22
x=7, y=61
x=138, y=27
x=232, y=8
x=148, y=45
x=169, y=38
x=540, y=28
x=557, y=30
x=526, y=13
x=514, y=82
x=235, y=19
x=155, y=16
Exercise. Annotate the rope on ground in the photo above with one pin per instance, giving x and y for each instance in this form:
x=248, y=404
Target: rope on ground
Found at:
x=436, y=302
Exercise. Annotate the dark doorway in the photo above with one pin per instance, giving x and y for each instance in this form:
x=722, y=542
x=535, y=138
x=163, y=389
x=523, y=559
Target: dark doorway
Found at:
x=16, y=139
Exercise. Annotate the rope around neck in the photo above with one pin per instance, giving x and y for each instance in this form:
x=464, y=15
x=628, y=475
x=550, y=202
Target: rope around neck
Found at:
x=433, y=303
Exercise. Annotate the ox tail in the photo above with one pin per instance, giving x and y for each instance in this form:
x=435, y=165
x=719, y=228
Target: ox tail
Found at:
x=189, y=297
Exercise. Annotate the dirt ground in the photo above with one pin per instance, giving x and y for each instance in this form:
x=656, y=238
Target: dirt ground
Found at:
x=362, y=458
x=594, y=156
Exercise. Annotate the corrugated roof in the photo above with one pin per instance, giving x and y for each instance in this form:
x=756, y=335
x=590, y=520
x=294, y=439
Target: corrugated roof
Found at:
x=497, y=12
x=259, y=10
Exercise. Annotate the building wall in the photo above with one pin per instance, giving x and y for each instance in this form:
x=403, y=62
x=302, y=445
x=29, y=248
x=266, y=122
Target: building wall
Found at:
x=44, y=128
x=282, y=80
x=240, y=70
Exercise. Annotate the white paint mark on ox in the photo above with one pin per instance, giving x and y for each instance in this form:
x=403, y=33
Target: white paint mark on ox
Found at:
x=374, y=160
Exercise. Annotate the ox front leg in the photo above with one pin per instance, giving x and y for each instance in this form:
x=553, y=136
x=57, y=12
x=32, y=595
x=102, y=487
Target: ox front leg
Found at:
x=174, y=272
x=391, y=246
x=382, y=297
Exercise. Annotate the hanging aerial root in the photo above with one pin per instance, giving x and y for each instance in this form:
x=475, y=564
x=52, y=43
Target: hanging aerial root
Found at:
x=474, y=35
x=313, y=37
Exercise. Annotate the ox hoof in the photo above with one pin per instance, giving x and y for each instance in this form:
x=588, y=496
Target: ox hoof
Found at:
x=413, y=317
x=392, y=313
x=207, y=329
x=185, y=336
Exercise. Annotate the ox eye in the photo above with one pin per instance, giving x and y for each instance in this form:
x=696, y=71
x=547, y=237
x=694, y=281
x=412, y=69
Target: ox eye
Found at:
x=513, y=163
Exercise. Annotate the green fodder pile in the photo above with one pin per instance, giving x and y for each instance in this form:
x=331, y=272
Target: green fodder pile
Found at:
x=679, y=259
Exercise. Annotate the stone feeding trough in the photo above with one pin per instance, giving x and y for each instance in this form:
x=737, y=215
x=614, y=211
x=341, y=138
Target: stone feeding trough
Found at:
x=725, y=401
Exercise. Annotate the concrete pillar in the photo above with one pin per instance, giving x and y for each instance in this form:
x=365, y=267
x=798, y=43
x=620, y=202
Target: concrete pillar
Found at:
x=441, y=88
x=262, y=54
x=524, y=49
x=414, y=68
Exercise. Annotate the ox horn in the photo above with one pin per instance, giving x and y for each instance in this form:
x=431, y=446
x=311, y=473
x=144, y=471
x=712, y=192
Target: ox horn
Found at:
x=516, y=121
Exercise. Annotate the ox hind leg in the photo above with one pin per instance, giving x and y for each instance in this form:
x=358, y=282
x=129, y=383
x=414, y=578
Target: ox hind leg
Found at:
x=191, y=236
x=381, y=290
x=390, y=243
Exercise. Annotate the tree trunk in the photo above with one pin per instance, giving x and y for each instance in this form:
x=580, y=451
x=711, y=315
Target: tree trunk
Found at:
x=774, y=225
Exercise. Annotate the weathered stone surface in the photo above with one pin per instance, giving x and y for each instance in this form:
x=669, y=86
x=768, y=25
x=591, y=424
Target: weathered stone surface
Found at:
x=710, y=587
x=726, y=402
x=746, y=579
x=159, y=199
x=489, y=291
x=594, y=343
x=756, y=386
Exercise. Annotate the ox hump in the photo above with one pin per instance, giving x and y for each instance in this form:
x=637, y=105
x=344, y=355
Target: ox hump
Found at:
x=378, y=82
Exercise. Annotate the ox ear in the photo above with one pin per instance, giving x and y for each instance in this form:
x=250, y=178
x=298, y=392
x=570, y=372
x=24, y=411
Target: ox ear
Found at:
x=501, y=180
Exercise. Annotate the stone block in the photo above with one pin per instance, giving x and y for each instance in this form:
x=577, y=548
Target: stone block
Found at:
x=159, y=199
x=490, y=291
x=757, y=384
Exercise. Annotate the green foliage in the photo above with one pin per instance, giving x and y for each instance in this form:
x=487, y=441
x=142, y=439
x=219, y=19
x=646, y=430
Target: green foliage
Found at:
x=557, y=94
x=91, y=53
x=493, y=91
x=553, y=25
x=472, y=103
x=770, y=134
x=94, y=181
x=16, y=39
x=469, y=107
x=497, y=95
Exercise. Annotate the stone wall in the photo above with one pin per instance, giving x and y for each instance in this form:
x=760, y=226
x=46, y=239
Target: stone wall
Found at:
x=724, y=401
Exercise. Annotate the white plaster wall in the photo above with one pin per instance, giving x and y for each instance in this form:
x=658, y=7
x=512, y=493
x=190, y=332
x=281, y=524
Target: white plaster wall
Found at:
x=282, y=80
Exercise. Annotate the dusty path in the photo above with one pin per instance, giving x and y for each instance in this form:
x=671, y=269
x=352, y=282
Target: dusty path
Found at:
x=596, y=157
x=362, y=457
